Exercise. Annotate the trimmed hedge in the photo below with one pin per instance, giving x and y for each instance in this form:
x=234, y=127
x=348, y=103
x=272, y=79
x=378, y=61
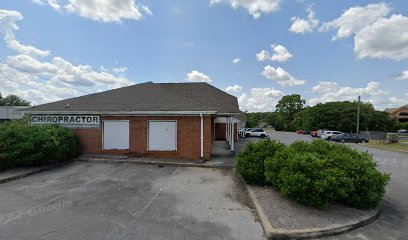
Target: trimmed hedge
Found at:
x=250, y=162
x=36, y=145
x=317, y=173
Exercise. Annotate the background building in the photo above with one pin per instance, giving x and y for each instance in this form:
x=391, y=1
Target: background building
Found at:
x=401, y=113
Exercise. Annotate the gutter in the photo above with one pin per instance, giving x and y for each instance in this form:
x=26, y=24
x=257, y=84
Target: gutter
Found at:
x=121, y=113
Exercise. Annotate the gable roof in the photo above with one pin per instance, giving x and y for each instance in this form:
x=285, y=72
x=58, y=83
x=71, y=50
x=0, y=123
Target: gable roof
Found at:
x=390, y=110
x=148, y=97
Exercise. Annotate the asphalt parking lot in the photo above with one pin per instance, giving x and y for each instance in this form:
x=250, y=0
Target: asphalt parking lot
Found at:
x=127, y=201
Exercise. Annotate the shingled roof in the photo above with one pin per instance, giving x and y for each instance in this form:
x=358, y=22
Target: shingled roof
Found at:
x=149, y=97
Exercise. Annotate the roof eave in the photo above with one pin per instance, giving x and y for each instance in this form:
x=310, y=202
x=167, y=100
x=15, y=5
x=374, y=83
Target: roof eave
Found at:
x=121, y=113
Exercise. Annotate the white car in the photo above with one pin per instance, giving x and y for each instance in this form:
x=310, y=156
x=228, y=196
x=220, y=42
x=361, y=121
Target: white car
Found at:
x=328, y=134
x=320, y=132
x=256, y=132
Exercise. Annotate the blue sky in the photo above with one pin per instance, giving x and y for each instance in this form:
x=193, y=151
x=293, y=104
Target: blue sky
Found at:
x=322, y=50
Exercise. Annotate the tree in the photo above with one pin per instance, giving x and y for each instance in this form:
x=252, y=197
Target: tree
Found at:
x=13, y=100
x=287, y=107
x=342, y=116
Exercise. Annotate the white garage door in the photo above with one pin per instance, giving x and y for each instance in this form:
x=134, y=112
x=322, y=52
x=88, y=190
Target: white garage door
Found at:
x=162, y=135
x=115, y=134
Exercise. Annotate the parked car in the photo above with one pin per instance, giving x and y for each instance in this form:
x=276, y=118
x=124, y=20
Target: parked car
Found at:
x=257, y=132
x=320, y=132
x=403, y=131
x=329, y=134
x=349, y=137
x=247, y=130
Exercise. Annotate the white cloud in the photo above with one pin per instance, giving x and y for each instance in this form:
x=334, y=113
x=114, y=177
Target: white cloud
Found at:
x=402, y=76
x=255, y=7
x=196, y=76
x=61, y=70
x=8, y=25
x=302, y=26
x=324, y=87
x=53, y=3
x=234, y=89
x=280, y=76
x=262, y=56
x=119, y=70
x=331, y=92
x=40, y=81
x=279, y=54
x=387, y=38
x=189, y=44
x=260, y=99
x=375, y=34
x=236, y=60
x=102, y=10
x=355, y=19
x=398, y=101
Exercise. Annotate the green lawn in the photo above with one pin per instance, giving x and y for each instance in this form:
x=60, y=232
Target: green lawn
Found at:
x=403, y=145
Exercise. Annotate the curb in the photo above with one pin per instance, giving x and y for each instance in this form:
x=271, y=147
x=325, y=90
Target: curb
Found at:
x=159, y=163
x=26, y=174
x=307, y=233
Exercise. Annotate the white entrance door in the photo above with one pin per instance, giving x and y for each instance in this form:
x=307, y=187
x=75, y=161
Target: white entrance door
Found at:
x=115, y=134
x=162, y=135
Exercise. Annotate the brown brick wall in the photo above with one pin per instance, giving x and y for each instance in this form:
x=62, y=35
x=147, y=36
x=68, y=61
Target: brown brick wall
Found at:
x=220, y=131
x=188, y=137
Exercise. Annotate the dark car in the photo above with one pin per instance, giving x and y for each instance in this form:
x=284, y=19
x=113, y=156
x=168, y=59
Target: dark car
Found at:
x=349, y=137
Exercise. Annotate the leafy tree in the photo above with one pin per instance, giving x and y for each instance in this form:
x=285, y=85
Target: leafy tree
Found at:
x=13, y=100
x=287, y=107
x=342, y=116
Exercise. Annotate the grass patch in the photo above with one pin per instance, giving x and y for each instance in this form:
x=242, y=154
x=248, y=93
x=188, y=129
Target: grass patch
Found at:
x=402, y=145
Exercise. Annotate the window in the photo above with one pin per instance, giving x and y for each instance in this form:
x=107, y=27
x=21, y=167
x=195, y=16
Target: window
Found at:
x=162, y=136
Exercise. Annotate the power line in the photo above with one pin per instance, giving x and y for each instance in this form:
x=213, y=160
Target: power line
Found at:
x=31, y=73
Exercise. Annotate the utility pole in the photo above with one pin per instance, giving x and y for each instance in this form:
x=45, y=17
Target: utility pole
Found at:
x=358, y=116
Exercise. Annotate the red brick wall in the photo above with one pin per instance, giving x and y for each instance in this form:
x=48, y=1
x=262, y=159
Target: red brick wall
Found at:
x=188, y=137
x=220, y=131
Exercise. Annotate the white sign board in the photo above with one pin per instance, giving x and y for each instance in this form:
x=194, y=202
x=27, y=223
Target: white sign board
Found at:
x=69, y=121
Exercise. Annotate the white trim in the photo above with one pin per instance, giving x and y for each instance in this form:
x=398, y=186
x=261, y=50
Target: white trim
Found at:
x=202, y=136
x=103, y=125
x=148, y=147
x=233, y=134
x=226, y=114
x=122, y=113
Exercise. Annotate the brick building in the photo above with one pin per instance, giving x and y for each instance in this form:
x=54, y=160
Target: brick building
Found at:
x=177, y=120
x=401, y=113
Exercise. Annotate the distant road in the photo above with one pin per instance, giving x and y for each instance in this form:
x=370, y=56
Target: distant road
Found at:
x=393, y=222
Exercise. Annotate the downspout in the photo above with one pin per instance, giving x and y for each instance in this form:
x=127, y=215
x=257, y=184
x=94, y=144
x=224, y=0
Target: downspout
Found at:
x=202, y=136
x=232, y=134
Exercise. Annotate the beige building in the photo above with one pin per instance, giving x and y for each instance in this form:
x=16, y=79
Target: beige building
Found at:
x=400, y=113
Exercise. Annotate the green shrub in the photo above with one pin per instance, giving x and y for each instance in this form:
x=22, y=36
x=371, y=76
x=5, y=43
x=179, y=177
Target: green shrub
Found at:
x=250, y=162
x=319, y=173
x=36, y=145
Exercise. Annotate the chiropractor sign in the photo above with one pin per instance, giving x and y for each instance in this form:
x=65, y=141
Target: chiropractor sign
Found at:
x=68, y=121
